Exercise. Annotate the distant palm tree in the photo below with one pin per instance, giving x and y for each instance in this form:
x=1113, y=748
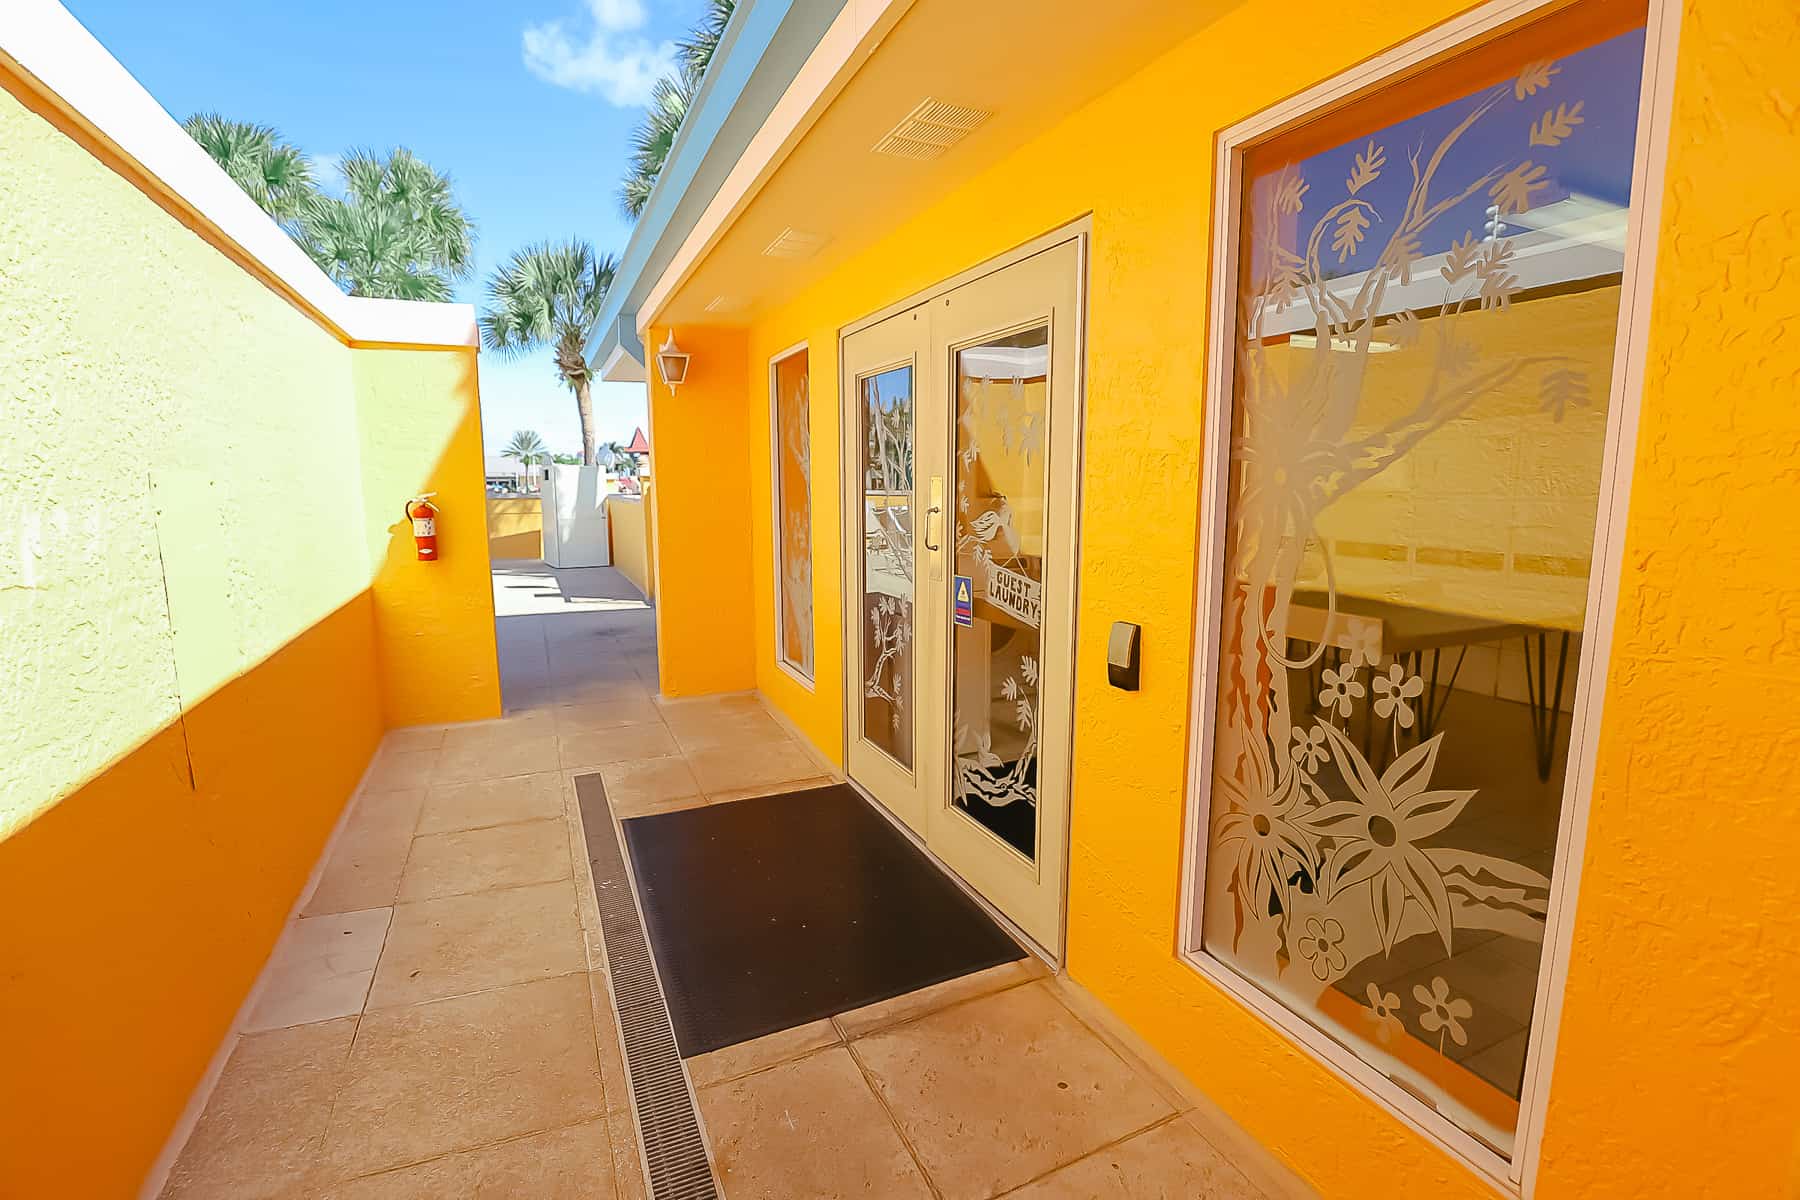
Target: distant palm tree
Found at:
x=397, y=233
x=550, y=295
x=272, y=172
x=652, y=140
x=527, y=447
x=624, y=461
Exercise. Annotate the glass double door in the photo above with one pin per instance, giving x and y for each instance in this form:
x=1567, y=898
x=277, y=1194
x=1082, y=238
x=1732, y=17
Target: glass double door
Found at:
x=962, y=418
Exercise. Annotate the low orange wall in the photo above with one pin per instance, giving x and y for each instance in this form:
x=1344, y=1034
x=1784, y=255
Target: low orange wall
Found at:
x=139, y=910
x=515, y=527
x=628, y=525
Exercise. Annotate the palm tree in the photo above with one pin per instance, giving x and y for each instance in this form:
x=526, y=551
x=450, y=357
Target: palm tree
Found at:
x=397, y=233
x=550, y=295
x=528, y=448
x=272, y=172
x=669, y=102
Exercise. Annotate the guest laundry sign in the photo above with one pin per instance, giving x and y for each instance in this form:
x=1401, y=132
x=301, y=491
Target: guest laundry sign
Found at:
x=962, y=598
x=1018, y=595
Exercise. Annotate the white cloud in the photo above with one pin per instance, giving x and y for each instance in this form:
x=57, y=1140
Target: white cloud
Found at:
x=613, y=59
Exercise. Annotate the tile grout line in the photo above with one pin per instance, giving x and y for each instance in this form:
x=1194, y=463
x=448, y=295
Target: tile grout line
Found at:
x=893, y=1121
x=1100, y=1149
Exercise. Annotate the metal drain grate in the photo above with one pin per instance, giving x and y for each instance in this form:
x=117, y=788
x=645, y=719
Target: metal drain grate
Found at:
x=675, y=1158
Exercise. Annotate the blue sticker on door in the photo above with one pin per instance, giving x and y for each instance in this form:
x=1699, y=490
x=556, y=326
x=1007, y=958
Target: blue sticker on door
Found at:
x=963, y=600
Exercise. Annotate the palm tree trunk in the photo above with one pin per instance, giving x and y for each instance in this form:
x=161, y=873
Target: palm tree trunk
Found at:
x=584, y=404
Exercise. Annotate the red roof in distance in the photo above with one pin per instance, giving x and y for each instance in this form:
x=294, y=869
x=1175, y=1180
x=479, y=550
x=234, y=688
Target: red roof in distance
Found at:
x=639, y=445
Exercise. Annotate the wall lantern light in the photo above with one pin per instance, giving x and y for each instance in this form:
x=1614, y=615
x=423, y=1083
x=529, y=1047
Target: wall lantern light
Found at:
x=672, y=361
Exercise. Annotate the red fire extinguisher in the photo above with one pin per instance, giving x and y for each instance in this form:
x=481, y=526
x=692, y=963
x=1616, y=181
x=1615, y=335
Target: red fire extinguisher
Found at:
x=423, y=515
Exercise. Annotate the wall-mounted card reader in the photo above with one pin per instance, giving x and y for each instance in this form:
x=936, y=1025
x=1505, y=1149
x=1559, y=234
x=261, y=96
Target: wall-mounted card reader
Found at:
x=1122, y=656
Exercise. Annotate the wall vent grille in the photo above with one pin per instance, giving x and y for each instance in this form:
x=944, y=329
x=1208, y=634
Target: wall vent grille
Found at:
x=930, y=129
x=795, y=243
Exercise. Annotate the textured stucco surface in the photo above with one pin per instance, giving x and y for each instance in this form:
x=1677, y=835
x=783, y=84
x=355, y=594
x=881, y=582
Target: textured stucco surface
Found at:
x=698, y=438
x=198, y=605
x=163, y=410
x=1681, y=1029
x=419, y=430
x=1680, y=1034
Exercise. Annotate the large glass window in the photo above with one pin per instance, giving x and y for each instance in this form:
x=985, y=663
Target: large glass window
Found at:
x=793, y=514
x=1427, y=307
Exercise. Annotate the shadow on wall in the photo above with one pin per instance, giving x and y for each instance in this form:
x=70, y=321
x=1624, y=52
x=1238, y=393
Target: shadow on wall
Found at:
x=157, y=887
x=143, y=905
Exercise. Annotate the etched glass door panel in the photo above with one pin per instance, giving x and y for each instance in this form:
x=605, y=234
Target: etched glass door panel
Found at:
x=885, y=402
x=1428, y=302
x=1001, y=425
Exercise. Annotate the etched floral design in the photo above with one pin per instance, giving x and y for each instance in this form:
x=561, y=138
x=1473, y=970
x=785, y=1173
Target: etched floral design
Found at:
x=1321, y=947
x=1375, y=835
x=1309, y=749
x=1392, y=691
x=1341, y=691
x=1384, y=1011
x=1443, y=1014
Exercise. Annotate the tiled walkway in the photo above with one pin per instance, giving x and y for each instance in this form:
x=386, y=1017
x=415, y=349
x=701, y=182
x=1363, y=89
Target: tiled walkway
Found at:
x=437, y=1021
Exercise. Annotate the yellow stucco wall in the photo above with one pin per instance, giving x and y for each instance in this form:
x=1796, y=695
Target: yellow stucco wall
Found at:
x=1670, y=1076
x=628, y=524
x=515, y=527
x=204, y=636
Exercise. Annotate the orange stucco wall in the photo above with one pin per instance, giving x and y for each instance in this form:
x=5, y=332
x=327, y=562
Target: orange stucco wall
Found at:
x=1679, y=1035
x=703, y=593
x=140, y=908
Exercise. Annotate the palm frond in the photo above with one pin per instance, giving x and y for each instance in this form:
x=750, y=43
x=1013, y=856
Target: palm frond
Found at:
x=397, y=232
x=670, y=100
x=272, y=172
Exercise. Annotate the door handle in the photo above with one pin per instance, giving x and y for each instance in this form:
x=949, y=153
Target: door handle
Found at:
x=934, y=535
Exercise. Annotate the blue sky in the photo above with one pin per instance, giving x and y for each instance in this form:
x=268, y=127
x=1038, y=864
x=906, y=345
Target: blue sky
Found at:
x=527, y=105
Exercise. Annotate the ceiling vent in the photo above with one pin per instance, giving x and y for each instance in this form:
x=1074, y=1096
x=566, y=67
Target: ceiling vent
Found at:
x=724, y=304
x=794, y=243
x=930, y=129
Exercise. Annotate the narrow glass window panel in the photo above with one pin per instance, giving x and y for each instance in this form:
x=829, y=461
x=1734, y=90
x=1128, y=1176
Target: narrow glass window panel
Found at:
x=887, y=530
x=1427, y=308
x=793, y=514
x=1002, y=436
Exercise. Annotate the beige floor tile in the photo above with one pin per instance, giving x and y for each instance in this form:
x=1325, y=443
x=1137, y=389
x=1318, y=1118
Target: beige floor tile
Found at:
x=1170, y=1162
x=363, y=866
x=884, y=1013
x=628, y=1162
x=483, y=802
x=499, y=733
x=321, y=969
x=460, y=944
x=709, y=729
x=480, y=860
x=497, y=760
x=729, y=772
x=618, y=743
x=587, y=689
x=264, y=1123
x=422, y=737
x=650, y=785
x=809, y=1127
x=1000, y=1090
x=631, y=706
x=457, y=1074
x=575, y=1163
x=606, y=1041
x=734, y=1061
x=397, y=770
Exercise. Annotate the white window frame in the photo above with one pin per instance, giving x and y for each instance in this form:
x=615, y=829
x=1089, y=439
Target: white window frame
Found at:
x=1517, y=1175
x=776, y=577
